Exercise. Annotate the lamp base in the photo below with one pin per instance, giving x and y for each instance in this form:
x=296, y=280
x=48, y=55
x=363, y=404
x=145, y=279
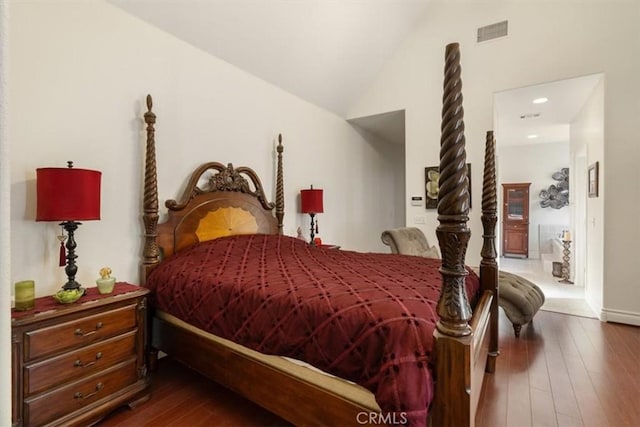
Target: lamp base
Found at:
x=71, y=284
x=71, y=268
x=313, y=227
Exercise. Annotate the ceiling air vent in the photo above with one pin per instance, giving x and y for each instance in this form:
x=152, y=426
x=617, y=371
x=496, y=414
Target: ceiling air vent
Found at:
x=493, y=31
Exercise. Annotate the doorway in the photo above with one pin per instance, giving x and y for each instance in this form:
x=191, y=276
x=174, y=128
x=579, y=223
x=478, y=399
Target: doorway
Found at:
x=535, y=140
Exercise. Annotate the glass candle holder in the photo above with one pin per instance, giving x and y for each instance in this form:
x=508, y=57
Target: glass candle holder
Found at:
x=25, y=295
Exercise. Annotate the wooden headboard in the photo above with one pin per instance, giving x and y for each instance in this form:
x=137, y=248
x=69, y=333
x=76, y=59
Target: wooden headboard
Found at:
x=218, y=201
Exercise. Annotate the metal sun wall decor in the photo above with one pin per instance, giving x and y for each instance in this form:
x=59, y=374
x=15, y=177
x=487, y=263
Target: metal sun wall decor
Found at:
x=557, y=195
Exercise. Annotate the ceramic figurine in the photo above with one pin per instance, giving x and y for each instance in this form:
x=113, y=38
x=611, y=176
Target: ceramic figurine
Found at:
x=106, y=281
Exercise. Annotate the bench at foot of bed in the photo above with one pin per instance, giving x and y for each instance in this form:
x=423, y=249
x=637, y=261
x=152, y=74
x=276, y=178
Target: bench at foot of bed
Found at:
x=519, y=298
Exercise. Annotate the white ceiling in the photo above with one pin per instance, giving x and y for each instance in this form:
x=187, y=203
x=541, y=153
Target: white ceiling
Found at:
x=324, y=51
x=388, y=126
x=565, y=100
x=328, y=51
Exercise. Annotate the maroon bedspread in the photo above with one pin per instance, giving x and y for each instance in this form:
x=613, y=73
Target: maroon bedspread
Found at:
x=365, y=317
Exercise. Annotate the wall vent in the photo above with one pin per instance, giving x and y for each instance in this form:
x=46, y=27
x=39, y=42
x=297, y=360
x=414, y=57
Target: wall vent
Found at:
x=493, y=31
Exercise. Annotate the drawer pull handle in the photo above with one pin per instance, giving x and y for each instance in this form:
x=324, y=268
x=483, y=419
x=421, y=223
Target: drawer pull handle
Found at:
x=79, y=332
x=79, y=364
x=81, y=396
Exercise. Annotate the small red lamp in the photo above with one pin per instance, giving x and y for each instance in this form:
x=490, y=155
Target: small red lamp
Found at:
x=311, y=203
x=68, y=195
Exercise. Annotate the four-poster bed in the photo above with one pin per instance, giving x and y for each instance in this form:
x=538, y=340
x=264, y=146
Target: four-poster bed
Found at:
x=235, y=231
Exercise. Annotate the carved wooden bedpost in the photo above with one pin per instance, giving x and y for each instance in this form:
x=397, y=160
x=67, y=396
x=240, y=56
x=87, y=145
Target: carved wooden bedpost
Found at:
x=151, y=253
x=488, y=264
x=280, y=187
x=453, y=204
x=453, y=333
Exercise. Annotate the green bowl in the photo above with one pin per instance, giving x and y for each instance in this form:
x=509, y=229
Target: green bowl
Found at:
x=68, y=296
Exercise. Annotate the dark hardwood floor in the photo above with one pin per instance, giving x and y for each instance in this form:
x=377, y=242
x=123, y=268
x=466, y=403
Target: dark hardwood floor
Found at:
x=563, y=371
x=181, y=397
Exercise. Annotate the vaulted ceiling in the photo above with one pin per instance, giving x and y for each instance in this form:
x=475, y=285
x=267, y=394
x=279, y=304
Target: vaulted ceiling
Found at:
x=327, y=52
x=324, y=51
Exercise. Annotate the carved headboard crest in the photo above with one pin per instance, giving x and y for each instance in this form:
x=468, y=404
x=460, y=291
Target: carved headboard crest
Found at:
x=226, y=178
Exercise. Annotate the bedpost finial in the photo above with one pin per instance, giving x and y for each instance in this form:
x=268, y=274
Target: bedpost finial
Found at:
x=451, y=47
x=280, y=147
x=149, y=116
x=489, y=193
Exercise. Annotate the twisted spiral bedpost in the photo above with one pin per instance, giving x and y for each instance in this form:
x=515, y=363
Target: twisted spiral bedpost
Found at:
x=280, y=187
x=453, y=204
x=489, y=204
x=151, y=252
x=488, y=264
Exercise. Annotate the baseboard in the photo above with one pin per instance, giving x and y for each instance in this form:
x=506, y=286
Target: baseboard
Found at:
x=620, y=316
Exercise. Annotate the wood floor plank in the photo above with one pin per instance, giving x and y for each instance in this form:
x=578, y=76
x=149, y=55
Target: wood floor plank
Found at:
x=492, y=410
x=555, y=346
x=591, y=411
x=176, y=390
x=543, y=412
x=605, y=359
x=618, y=402
x=519, y=403
x=538, y=369
x=620, y=340
x=192, y=415
x=567, y=421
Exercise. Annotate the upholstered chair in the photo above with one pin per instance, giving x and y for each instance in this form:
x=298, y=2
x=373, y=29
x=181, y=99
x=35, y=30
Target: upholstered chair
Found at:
x=409, y=241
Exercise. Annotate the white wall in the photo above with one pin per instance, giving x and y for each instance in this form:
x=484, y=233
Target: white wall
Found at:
x=587, y=135
x=535, y=163
x=547, y=41
x=80, y=73
x=390, y=206
x=5, y=230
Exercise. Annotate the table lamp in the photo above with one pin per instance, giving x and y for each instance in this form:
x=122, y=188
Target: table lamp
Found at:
x=311, y=203
x=68, y=195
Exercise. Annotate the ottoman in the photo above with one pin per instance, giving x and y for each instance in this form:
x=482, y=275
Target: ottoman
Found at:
x=519, y=298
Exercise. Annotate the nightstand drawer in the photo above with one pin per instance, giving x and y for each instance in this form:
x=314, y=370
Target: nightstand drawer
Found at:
x=75, y=396
x=79, y=332
x=75, y=364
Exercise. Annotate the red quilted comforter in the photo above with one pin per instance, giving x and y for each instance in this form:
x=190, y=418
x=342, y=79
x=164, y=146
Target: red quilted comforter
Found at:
x=365, y=317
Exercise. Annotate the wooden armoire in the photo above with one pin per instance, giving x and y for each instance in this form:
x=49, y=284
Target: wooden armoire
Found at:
x=515, y=220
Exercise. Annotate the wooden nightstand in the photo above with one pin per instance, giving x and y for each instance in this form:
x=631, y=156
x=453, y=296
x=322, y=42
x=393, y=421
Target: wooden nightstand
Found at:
x=74, y=363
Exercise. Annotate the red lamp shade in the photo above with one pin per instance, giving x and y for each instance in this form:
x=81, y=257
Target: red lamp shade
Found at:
x=67, y=194
x=311, y=201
